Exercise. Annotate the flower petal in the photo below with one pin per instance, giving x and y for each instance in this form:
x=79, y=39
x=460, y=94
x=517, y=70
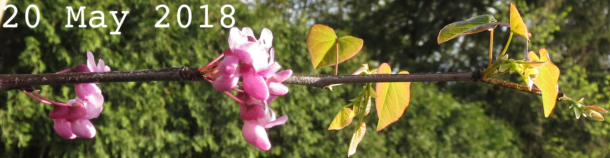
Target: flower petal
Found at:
x=271, y=98
x=94, y=105
x=252, y=112
x=86, y=90
x=266, y=39
x=76, y=112
x=101, y=67
x=58, y=112
x=256, y=135
x=228, y=66
x=252, y=54
x=223, y=83
x=248, y=33
x=83, y=128
x=279, y=121
x=81, y=68
x=255, y=86
x=91, y=62
x=278, y=89
x=246, y=51
x=269, y=71
x=63, y=129
x=271, y=56
x=260, y=61
x=281, y=76
x=236, y=38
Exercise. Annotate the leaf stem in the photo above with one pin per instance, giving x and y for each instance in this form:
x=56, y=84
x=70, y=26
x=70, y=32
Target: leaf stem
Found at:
x=510, y=37
x=492, y=68
x=337, y=57
x=491, y=43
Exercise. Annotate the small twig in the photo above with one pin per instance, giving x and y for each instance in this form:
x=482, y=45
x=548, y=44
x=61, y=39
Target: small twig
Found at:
x=516, y=86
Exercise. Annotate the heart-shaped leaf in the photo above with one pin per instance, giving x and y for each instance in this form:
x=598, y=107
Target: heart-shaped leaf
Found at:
x=342, y=119
x=356, y=138
x=473, y=25
x=548, y=76
x=392, y=98
x=322, y=45
x=516, y=23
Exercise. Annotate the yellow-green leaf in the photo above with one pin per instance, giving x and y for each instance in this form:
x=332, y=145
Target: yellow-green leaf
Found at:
x=473, y=25
x=516, y=23
x=343, y=118
x=322, y=46
x=548, y=76
x=356, y=138
x=392, y=98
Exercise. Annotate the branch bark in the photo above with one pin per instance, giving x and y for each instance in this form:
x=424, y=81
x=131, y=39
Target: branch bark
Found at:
x=21, y=81
x=18, y=81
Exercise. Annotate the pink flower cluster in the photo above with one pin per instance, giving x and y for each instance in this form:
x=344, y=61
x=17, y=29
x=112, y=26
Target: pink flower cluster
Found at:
x=252, y=60
x=73, y=120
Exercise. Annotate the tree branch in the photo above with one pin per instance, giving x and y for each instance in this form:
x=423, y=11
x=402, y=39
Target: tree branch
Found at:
x=325, y=80
x=18, y=81
x=21, y=81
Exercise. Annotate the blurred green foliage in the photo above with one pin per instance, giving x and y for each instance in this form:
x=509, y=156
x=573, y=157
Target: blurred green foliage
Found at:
x=190, y=119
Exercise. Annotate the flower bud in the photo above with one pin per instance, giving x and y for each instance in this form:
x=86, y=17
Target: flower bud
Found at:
x=596, y=115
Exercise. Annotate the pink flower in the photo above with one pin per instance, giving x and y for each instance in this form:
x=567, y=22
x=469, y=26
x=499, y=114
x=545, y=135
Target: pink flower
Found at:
x=250, y=50
x=254, y=84
x=72, y=121
x=257, y=116
x=258, y=66
x=252, y=59
x=70, y=130
x=89, y=91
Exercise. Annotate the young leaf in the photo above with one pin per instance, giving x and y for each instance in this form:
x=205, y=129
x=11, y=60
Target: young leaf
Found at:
x=546, y=80
x=392, y=98
x=595, y=108
x=516, y=23
x=321, y=42
x=342, y=119
x=473, y=25
x=356, y=138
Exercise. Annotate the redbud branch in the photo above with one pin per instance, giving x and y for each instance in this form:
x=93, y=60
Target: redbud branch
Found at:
x=19, y=81
x=325, y=80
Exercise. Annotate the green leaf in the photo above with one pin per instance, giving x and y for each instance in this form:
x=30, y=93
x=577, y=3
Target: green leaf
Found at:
x=356, y=138
x=548, y=76
x=392, y=98
x=342, y=119
x=473, y=25
x=516, y=23
x=322, y=46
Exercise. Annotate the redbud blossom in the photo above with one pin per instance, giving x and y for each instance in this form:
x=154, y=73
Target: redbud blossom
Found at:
x=73, y=121
x=252, y=59
x=257, y=116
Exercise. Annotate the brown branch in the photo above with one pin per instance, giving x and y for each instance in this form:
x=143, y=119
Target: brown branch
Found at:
x=516, y=86
x=26, y=81
x=18, y=81
x=325, y=80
